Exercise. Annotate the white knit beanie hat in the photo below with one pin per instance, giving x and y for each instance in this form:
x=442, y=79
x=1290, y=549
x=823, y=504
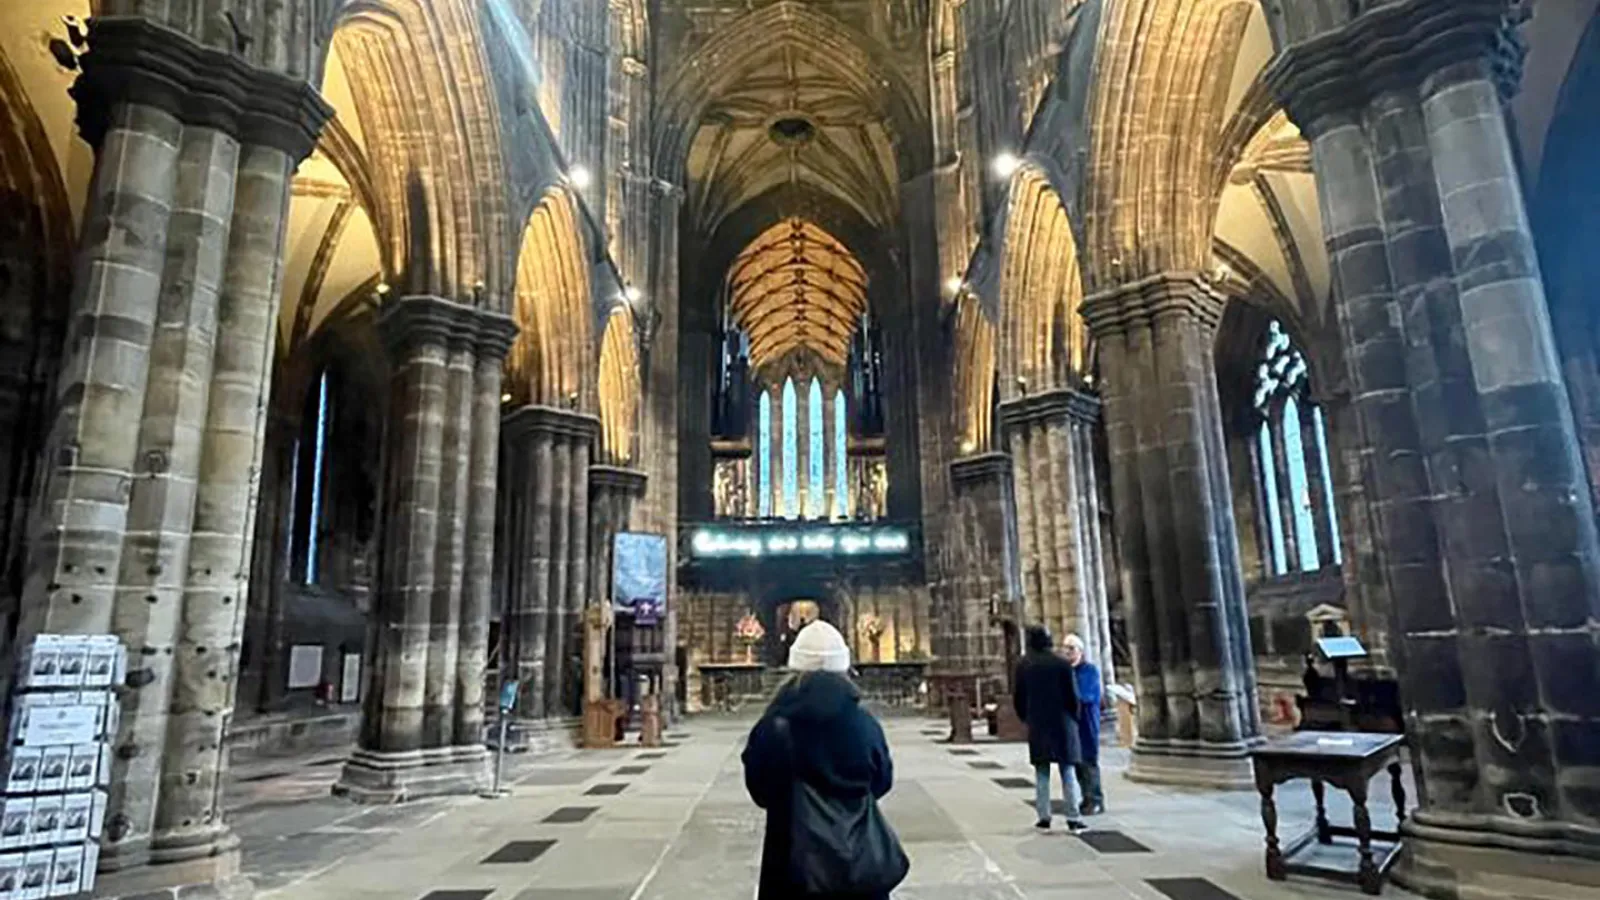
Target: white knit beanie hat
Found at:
x=819, y=647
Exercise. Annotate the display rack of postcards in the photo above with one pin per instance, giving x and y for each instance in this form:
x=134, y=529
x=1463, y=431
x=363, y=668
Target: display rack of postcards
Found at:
x=64, y=717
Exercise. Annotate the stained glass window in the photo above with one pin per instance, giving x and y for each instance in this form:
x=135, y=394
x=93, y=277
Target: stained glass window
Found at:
x=764, y=455
x=841, y=461
x=815, y=487
x=791, y=452
x=1285, y=463
x=319, y=450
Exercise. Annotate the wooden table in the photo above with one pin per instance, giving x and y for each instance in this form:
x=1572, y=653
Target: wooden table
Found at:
x=1347, y=760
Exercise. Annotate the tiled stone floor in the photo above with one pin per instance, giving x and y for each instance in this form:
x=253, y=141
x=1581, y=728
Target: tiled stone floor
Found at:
x=681, y=828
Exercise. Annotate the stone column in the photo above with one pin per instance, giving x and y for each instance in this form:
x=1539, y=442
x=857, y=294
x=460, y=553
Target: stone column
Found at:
x=402, y=752
x=477, y=591
x=455, y=475
x=981, y=569
x=542, y=618
x=578, y=595
x=1197, y=707
x=159, y=421
x=558, y=628
x=1483, y=523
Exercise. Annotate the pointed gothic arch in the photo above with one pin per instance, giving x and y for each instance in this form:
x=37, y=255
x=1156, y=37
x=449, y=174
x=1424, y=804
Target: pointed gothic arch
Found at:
x=549, y=363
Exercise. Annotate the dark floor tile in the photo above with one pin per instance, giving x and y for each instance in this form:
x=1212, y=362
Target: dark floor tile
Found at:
x=631, y=770
x=678, y=736
x=519, y=852
x=1112, y=842
x=1189, y=889
x=654, y=754
x=606, y=790
x=963, y=751
x=569, y=815
x=1059, y=807
x=1012, y=781
x=457, y=895
x=986, y=765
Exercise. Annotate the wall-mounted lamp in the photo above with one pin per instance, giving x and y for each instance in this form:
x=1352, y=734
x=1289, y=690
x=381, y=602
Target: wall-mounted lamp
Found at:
x=505, y=398
x=1006, y=164
x=632, y=294
x=953, y=285
x=579, y=177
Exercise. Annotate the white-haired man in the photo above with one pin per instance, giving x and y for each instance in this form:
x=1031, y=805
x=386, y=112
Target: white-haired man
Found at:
x=1088, y=721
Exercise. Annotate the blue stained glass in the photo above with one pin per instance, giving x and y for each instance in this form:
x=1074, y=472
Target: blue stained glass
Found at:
x=764, y=455
x=841, y=462
x=1305, y=530
x=1327, y=485
x=814, y=477
x=318, y=451
x=1269, y=486
x=791, y=452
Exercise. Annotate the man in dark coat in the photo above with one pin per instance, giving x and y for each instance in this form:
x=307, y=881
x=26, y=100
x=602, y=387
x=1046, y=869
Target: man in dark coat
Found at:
x=1046, y=697
x=1088, y=721
x=838, y=747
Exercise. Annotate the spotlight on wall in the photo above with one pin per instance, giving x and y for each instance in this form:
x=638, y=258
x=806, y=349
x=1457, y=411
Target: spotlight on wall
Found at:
x=632, y=294
x=1006, y=164
x=579, y=177
x=953, y=285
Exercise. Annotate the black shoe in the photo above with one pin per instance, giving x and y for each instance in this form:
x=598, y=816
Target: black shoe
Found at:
x=1042, y=825
x=1077, y=826
x=1092, y=808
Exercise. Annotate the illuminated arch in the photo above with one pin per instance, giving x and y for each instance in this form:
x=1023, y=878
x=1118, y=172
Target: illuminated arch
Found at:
x=549, y=363
x=1157, y=102
x=422, y=93
x=619, y=388
x=975, y=362
x=1043, y=342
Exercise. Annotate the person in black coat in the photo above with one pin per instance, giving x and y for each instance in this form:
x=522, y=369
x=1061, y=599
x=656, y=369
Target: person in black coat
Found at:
x=838, y=747
x=1046, y=696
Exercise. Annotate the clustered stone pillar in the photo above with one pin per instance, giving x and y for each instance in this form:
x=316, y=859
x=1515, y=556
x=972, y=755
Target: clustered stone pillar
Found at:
x=968, y=641
x=548, y=567
x=1063, y=573
x=423, y=682
x=152, y=462
x=1198, y=714
x=1482, y=516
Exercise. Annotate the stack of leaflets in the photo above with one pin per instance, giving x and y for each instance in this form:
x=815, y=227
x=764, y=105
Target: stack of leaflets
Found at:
x=64, y=718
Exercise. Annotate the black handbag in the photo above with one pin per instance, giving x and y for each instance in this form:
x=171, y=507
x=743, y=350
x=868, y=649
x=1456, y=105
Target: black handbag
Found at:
x=839, y=846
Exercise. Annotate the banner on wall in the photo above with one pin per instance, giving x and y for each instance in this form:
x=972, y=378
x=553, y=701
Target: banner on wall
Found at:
x=639, y=576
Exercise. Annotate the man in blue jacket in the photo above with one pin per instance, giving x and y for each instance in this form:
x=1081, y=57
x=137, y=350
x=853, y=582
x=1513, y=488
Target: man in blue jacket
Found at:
x=1088, y=721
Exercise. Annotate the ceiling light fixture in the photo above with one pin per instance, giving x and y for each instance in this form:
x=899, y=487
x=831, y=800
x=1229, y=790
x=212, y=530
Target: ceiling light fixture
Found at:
x=1006, y=164
x=579, y=177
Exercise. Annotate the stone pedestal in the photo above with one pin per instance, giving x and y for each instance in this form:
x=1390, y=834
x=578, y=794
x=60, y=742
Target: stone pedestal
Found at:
x=436, y=459
x=1484, y=525
x=1198, y=716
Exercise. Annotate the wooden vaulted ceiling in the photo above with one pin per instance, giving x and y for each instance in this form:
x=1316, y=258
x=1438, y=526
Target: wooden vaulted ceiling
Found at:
x=797, y=289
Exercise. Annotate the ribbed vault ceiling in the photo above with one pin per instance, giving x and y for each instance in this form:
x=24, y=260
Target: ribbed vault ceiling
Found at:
x=796, y=288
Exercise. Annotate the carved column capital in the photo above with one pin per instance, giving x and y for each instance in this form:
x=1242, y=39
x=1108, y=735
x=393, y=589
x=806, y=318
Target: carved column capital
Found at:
x=1062, y=403
x=1420, y=44
x=1142, y=302
x=132, y=59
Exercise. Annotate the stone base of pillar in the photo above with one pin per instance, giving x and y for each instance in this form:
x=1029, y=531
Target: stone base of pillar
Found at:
x=1461, y=864
x=383, y=778
x=211, y=878
x=1179, y=763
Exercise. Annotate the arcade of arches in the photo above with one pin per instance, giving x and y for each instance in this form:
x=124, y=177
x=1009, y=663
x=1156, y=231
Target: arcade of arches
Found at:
x=340, y=340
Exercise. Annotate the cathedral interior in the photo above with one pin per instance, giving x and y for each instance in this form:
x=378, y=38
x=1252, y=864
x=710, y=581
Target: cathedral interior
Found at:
x=341, y=339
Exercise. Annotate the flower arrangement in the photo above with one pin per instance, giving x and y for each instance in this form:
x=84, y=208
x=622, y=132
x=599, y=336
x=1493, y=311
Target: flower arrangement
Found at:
x=749, y=632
